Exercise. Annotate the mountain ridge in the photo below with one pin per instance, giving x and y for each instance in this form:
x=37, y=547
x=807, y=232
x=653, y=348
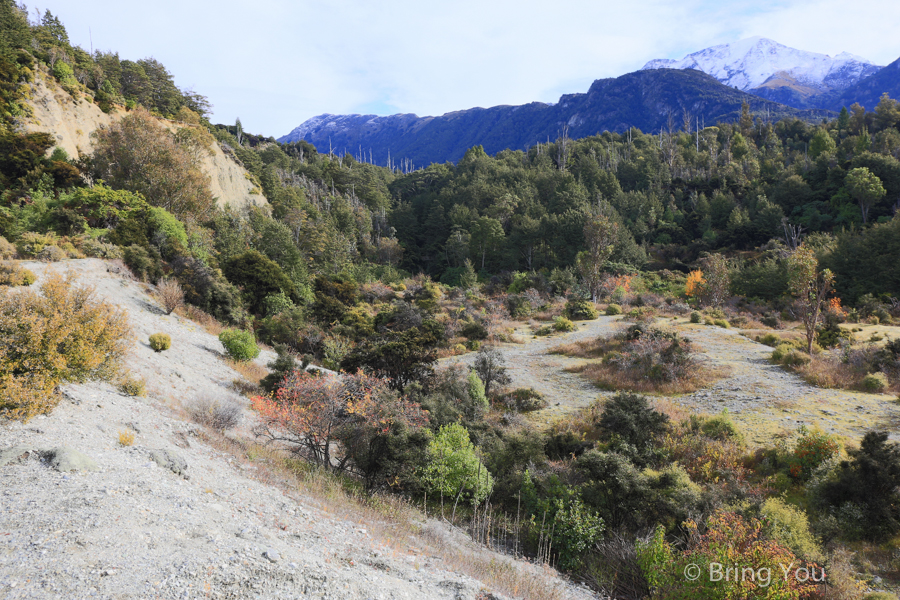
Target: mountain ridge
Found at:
x=643, y=99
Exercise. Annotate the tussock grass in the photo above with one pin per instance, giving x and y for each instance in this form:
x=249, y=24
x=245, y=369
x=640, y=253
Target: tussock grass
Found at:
x=608, y=377
x=205, y=320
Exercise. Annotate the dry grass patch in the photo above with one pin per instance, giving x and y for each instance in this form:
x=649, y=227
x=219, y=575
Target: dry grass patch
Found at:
x=830, y=370
x=391, y=520
x=205, y=320
x=251, y=374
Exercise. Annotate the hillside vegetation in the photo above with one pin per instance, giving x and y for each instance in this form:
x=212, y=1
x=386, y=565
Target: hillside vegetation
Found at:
x=408, y=287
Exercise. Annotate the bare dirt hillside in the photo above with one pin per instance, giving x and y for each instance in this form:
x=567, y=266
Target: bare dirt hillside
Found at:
x=72, y=120
x=175, y=516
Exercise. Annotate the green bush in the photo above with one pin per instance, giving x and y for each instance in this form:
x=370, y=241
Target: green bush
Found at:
x=770, y=339
x=145, y=264
x=239, y=345
x=613, y=309
x=259, y=277
x=721, y=323
x=581, y=310
x=631, y=425
x=454, y=466
x=160, y=342
x=97, y=249
x=31, y=243
x=720, y=427
x=13, y=274
x=696, y=317
x=473, y=330
x=563, y=324
x=875, y=382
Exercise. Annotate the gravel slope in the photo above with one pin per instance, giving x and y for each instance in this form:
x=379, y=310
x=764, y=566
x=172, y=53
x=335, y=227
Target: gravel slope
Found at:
x=170, y=516
x=762, y=398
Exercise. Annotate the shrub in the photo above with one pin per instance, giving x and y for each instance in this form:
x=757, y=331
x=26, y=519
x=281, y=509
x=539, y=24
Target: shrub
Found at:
x=160, y=342
x=769, y=339
x=613, y=309
x=31, y=243
x=217, y=413
x=875, y=382
x=795, y=358
x=97, y=249
x=474, y=330
x=454, y=468
x=170, y=294
x=563, y=324
x=581, y=310
x=720, y=428
x=51, y=254
x=7, y=250
x=61, y=334
x=491, y=368
x=239, y=345
x=629, y=418
x=865, y=488
x=788, y=525
x=781, y=351
x=13, y=274
x=133, y=386
x=145, y=264
x=721, y=323
x=126, y=438
x=812, y=449
x=523, y=400
x=696, y=317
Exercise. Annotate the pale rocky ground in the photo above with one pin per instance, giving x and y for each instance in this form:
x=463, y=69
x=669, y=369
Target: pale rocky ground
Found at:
x=71, y=121
x=762, y=398
x=173, y=517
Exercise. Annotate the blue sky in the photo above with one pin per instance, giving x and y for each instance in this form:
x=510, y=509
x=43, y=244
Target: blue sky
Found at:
x=275, y=63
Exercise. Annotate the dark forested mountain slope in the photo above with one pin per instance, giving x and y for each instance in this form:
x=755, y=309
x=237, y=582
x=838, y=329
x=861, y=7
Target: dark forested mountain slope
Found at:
x=644, y=99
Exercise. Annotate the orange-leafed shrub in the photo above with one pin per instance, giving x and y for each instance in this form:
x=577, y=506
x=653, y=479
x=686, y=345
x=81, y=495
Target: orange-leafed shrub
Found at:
x=311, y=413
x=695, y=285
x=61, y=334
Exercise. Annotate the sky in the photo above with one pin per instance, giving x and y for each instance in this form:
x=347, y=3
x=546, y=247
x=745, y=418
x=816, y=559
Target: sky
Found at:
x=276, y=63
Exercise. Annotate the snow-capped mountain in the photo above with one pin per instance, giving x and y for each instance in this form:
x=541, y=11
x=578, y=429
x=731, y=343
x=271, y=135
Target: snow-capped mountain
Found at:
x=752, y=63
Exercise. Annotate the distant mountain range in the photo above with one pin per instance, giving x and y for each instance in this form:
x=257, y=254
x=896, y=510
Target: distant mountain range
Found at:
x=710, y=85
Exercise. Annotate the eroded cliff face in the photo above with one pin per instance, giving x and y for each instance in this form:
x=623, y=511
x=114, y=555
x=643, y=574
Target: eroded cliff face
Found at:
x=72, y=120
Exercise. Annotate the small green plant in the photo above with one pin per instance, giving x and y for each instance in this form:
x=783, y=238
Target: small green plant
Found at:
x=126, y=438
x=563, y=324
x=160, y=341
x=613, y=309
x=721, y=323
x=875, y=382
x=721, y=427
x=696, y=317
x=770, y=339
x=31, y=243
x=133, y=386
x=239, y=345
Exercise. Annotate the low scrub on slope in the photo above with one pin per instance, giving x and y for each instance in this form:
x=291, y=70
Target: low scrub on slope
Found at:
x=62, y=333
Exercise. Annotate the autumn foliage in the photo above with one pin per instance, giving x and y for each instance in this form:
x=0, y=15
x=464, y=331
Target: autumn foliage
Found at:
x=317, y=414
x=695, y=284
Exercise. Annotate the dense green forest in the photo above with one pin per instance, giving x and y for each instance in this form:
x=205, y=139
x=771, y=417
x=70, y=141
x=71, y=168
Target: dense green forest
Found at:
x=379, y=271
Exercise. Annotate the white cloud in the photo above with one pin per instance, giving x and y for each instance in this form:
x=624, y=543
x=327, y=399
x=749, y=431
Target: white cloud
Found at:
x=281, y=62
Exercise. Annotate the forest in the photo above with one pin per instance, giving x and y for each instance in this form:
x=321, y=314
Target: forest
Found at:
x=784, y=230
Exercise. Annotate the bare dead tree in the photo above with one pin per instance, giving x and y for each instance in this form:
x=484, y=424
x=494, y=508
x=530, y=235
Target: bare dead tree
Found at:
x=792, y=234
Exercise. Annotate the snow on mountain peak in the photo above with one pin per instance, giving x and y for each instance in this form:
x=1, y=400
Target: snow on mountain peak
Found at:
x=749, y=63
